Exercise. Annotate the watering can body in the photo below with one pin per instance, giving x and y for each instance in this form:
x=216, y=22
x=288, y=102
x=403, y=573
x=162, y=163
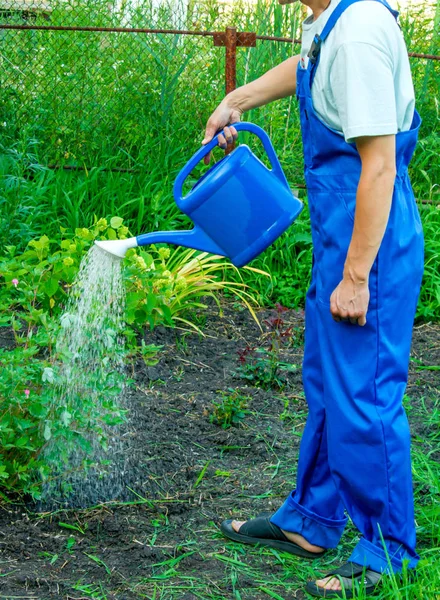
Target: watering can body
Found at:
x=239, y=207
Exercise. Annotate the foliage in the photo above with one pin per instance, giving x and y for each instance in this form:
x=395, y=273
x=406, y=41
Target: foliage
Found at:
x=89, y=109
x=231, y=409
x=429, y=302
x=33, y=293
x=263, y=366
x=163, y=288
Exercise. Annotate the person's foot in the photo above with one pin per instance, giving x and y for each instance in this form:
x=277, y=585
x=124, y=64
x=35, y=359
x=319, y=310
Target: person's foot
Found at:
x=296, y=538
x=342, y=581
x=329, y=583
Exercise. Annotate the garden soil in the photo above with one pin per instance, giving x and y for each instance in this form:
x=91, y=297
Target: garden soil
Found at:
x=187, y=474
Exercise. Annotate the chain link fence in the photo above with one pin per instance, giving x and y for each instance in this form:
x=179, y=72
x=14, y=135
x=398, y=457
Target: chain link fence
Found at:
x=128, y=83
x=107, y=88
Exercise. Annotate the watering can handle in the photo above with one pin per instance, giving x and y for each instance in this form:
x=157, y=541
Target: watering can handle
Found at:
x=200, y=154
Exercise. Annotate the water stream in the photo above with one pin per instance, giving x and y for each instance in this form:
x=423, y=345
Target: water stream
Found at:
x=87, y=434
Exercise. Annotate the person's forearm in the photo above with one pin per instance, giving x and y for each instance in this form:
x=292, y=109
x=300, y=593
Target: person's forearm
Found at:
x=277, y=83
x=373, y=204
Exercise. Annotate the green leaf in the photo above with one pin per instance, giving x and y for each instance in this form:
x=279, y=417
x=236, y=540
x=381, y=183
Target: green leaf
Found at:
x=73, y=527
x=47, y=434
x=133, y=299
x=48, y=375
x=37, y=410
x=151, y=302
x=147, y=258
x=24, y=442
x=51, y=286
x=116, y=222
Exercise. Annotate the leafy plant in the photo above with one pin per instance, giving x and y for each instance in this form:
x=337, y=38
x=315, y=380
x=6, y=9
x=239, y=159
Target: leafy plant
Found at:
x=163, y=287
x=230, y=409
x=263, y=366
x=167, y=287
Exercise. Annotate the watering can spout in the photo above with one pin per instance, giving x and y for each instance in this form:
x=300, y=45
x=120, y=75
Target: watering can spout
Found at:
x=117, y=247
x=193, y=238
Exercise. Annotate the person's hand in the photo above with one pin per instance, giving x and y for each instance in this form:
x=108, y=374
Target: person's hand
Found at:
x=349, y=302
x=220, y=119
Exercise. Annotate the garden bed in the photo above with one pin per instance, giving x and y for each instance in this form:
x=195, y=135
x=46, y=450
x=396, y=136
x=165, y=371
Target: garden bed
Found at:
x=189, y=474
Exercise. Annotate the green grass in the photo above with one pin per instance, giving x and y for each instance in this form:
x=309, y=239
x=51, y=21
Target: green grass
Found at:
x=225, y=570
x=264, y=573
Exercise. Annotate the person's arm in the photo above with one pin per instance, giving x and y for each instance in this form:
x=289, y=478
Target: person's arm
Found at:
x=373, y=204
x=277, y=83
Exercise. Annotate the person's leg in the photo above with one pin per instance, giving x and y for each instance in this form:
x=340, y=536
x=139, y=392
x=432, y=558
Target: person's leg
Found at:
x=368, y=435
x=312, y=516
x=369, y=443
x=365, y=372
x=314, y=510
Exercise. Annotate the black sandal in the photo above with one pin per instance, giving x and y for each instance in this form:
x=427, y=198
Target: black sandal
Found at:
x=262, y=532
x=352, y=577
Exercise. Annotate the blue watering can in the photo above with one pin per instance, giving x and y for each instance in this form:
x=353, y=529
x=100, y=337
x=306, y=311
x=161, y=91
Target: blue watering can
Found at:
x=239, y=207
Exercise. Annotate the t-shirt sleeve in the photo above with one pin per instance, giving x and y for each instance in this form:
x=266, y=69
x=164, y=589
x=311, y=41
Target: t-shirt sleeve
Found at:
x=362, y=84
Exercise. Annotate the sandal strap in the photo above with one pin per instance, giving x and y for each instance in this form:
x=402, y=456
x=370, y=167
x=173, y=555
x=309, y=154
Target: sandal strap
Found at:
x=352, y=571
x=262, y=528
x=349, y=569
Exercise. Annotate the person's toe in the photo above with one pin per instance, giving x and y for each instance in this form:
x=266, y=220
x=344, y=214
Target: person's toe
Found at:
x=329, y=583
x=336, y=584
x=236, y=525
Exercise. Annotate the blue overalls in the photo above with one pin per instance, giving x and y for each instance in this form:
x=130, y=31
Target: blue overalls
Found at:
x=355, y=450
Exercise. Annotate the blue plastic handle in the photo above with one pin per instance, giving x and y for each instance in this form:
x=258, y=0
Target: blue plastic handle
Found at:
x=200, y=154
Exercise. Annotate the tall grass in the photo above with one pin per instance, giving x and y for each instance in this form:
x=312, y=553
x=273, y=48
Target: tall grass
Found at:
x=100, y=101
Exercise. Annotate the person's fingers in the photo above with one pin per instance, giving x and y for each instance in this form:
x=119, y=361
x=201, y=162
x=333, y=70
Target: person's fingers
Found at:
x=225, y=139
x=334, y=308
x=362, y=320
x=222, y=141
x=210, y=131
x=229, y=135
x=234, y=133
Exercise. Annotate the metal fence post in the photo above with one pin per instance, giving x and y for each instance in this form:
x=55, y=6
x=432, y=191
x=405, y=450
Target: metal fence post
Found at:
x=231, y=59
x=230, y=39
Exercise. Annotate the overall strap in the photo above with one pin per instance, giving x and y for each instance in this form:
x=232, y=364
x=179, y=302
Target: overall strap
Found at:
x=315, y=49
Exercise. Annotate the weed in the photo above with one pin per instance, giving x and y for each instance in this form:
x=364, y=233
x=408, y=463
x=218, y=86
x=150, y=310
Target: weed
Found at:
x=263, y=367
x=231, y=409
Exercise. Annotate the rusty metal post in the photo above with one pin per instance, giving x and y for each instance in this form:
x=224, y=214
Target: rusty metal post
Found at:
x=230, y=67
x=231, y=59
x=230, y=39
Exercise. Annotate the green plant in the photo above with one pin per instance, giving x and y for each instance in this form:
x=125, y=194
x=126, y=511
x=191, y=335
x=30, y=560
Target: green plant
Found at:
x=230, y=409
x=168, y=287
x=263, y=366
x=38, y=430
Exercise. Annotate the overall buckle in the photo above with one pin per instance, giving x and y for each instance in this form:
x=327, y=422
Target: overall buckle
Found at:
x=315, y=49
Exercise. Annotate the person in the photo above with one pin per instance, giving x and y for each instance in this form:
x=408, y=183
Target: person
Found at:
x=359, y=128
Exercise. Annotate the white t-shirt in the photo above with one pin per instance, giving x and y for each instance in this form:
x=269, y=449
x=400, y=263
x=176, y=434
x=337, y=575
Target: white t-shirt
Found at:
x=363, y=83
